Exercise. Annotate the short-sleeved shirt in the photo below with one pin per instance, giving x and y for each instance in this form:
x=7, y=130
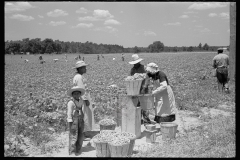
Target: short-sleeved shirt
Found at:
x=220, y=60
x=140, y=69
x=162, y=77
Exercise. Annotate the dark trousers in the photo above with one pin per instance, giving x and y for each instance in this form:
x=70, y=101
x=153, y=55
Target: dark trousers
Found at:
x=76, y=134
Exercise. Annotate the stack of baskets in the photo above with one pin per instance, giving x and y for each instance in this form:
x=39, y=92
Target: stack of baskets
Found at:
x=109, y=143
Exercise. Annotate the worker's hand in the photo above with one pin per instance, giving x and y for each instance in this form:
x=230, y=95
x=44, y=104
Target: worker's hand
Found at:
x=87, y=102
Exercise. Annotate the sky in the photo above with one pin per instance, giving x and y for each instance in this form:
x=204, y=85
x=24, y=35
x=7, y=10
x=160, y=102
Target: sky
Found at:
x=127, y=24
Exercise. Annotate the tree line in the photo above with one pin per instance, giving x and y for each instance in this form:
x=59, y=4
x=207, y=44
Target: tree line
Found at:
x=48, y=46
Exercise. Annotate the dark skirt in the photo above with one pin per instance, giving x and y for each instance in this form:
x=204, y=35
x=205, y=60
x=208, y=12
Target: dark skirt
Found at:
x=169, y=118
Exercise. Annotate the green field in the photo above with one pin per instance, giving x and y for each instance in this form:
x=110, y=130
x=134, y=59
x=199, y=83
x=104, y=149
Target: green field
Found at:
x=35, y=94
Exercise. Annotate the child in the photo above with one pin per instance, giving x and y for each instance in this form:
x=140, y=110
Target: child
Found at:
x=75, y=118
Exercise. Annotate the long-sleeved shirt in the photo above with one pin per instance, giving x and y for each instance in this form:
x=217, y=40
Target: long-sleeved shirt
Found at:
x=220, y=60
x=79, y=80
x=72, y=107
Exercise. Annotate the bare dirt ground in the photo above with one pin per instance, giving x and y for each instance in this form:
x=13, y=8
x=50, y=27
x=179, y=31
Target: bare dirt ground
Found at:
x=185, y=120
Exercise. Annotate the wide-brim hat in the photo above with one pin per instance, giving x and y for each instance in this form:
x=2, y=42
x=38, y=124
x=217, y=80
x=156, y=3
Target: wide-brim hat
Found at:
x=136, y=59
x=76, y=88
x=152, y=68
x=220, y=49
x=80, y=64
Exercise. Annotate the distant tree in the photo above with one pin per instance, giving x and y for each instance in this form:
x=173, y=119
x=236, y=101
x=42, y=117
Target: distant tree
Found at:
x=49, y=49
x=200, y=46
x=190, y=49
x=136, y=49
x=206, y=46
x=157, y=46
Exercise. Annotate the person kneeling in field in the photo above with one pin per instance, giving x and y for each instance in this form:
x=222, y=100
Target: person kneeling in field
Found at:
x=166, y=108
x=221, y=63
x=75, y=118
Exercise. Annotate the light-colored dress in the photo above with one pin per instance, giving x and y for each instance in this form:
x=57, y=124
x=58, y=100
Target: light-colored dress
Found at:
x=164, y=98
x=80, y=80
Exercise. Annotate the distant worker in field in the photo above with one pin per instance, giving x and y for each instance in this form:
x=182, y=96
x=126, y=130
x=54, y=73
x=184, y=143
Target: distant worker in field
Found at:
x=122, y=57
x=83, y=58
x=40, y=58
x=164, y=97
x=139, y=68
x=102, y=56
x=75, y=119
x=79, y=57
x=80, y=80
x=220, y=63
x=98, y=57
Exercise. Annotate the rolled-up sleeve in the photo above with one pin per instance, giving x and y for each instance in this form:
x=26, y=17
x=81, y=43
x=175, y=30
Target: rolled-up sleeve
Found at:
x=69, y=111
x=163, y=86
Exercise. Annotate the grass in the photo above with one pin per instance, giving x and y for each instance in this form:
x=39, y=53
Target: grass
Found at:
x=47, y=84
x=216, y=139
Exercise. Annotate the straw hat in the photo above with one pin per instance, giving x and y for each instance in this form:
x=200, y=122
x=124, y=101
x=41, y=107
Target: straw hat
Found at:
x=220, y=49
x=76, y=88
x=152, y=68
x=80, y=64
x=135, y=59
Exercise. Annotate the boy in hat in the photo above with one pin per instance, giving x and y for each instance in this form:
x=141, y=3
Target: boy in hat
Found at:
x=75, y=118
x=139, y=68
x=220, y=63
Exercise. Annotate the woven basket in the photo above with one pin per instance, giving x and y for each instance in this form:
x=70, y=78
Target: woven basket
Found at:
x=102, y=149
x=119, y=150
x=146, y=101
x=133, y=87
x=169, y=130
x=107, y=127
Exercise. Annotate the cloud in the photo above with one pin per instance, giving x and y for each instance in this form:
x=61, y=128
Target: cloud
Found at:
x=82, y=10
x=108, y=29
x=173, y=24
x=40, y=16
x=88, y=18
x=111, y=21
x=22, y=17
x=149, y=33
x=52, y=23
x=121, y=11
x=212, y=15
x=205, y=30
x=207, y=5
x=102, y=14
x=83, y=25
x=57, y=13
x=184, y=16
x=17, y=7
x=224, y=15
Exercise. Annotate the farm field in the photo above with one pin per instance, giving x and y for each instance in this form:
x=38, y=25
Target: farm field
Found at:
x=35, y=94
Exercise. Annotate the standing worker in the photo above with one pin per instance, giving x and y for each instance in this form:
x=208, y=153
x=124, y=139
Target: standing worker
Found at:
x=75, y=118
x=166, y=108
x=98, y=57
x=80, y=80
x=122, y=57
x=139, y=68
x=221, y=64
